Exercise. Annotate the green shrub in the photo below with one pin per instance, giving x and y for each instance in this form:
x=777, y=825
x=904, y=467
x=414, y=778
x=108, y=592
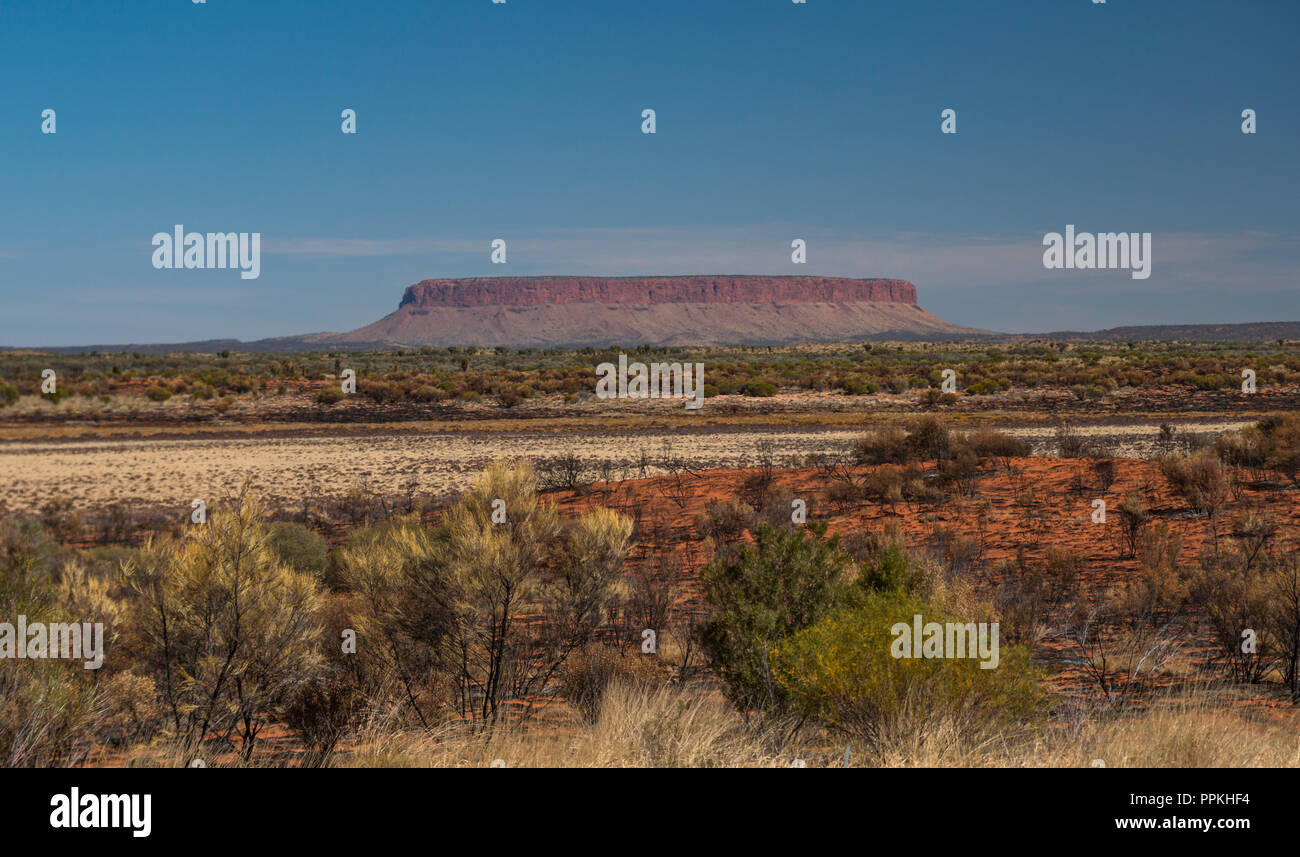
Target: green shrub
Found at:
x=299, y=548
x=782, y=583
x=330, y=396
x=987, y=387
x=889, y=570
x=843, y=671
x=46, y=704
x=725, y=387
x=762, y=389
x=858, y=387
x=158, y=393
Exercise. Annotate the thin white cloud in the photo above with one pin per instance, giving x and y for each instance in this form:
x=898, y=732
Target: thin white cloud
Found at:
x=1181, y=260
x=327, y=247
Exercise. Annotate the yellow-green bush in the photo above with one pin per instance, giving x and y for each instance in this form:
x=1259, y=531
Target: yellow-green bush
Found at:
x=842, y=671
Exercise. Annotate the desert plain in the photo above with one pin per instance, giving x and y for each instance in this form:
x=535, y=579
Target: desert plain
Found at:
x=1124, y=626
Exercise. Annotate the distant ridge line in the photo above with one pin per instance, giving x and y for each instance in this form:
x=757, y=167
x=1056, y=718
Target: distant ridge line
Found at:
x=1235, y=332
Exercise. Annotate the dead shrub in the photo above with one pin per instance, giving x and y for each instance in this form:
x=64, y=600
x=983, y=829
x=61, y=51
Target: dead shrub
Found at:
x=883, y=446
x=1200, y=479
x=724, y=520
x=590, y=672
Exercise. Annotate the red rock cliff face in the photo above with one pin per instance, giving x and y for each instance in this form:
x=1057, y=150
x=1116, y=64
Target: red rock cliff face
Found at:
x=537, y=291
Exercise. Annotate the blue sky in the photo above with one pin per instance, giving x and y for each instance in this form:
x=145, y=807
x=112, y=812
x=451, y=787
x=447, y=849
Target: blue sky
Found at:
x=522, y=121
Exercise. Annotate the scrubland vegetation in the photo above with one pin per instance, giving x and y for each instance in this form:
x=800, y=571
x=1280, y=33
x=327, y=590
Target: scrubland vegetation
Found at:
x=506, y=378
x=394, y=632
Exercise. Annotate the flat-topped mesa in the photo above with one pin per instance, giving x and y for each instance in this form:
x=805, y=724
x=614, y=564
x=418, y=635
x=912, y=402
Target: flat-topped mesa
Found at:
x=539, y=291
x=699, y=309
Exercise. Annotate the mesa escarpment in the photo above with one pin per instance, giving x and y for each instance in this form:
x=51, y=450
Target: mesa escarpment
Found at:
x=685, y=310
x=535, y=291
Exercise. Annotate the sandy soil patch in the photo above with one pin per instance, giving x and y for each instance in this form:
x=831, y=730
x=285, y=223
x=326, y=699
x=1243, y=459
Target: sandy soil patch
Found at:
x=174, y=471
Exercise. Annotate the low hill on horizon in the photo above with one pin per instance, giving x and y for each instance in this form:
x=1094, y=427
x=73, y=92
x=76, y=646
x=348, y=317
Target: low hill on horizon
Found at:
x=1242, y=332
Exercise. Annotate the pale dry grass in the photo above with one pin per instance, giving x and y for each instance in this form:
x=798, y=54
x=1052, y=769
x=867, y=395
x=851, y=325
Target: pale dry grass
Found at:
x=636, y=728
x=673, y=728
x=1185, y=734
x=1191, y=732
